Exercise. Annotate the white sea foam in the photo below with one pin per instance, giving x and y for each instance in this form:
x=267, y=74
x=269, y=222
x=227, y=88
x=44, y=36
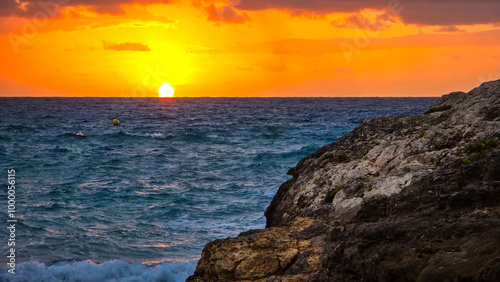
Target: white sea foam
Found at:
x=109, y=271
x=151, y=135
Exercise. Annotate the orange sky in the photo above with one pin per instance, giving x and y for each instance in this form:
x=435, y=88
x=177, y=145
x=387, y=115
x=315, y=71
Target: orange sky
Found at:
x=247, y=48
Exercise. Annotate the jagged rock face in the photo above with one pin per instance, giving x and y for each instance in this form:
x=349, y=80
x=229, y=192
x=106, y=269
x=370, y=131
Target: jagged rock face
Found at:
x=259, y=254
x=402, y=198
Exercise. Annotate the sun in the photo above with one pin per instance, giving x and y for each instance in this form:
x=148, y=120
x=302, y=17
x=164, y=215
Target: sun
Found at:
x=166, y=91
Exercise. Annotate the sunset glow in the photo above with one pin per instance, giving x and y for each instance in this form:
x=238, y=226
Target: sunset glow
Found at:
x=247, y=48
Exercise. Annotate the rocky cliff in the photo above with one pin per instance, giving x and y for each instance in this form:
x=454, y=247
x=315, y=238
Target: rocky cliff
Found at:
x=401, y=198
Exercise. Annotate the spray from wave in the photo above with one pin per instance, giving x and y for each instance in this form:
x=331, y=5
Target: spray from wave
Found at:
x=109, y=271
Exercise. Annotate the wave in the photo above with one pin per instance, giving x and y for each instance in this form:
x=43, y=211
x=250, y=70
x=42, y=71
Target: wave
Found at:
x=121, y=134
x=109, y=271
x=154, y=135
x=151, y=135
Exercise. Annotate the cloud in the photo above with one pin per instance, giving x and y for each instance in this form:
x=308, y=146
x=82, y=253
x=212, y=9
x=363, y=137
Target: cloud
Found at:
x=128, y=46
x=107, y=9
x=424, y=12
x=453, y=13
x=109, y=24
x=221, y=11
x=380, y=21
x=319, y=6
x=51, y=8
x=450, y=28
x=217, y=10
x=226, y=14
x=421, y=12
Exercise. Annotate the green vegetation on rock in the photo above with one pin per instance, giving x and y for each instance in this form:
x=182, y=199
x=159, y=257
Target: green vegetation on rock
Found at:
x=439, y=121
x=331, y=194
x=482, y=146
x=437, y=109
x=478, y=149
x=334, y=157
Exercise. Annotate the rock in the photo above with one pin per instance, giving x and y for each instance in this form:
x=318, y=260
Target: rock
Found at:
x=401, y=198
x=260, y=253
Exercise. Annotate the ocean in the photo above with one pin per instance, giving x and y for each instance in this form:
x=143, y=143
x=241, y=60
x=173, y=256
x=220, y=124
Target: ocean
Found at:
x=138, y=201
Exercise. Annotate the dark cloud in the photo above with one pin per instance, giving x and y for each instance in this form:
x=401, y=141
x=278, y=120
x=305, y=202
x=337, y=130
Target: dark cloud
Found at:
x=379, y=22
x=107, y=9
x=319, y=6
x=450, y=28
x=453, y=13
x=425, y=12
x=226, y=14
x=128, y=46
x=8, y=7
x=51, y=8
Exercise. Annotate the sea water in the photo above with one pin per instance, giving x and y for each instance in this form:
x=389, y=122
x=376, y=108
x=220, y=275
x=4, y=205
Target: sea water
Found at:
x=138, y=201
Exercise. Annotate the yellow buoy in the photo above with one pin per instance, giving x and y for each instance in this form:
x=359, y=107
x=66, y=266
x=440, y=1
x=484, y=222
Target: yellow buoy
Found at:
x=116, y=122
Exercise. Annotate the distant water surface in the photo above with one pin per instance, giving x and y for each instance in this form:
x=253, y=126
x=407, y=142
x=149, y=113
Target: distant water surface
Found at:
x=143, y=198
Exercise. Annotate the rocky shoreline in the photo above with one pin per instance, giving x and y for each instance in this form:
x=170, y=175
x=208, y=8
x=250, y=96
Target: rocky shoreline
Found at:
x=400, y=198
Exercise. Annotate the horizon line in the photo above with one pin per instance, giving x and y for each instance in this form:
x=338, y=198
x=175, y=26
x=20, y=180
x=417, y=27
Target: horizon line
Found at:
x=215, y=97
